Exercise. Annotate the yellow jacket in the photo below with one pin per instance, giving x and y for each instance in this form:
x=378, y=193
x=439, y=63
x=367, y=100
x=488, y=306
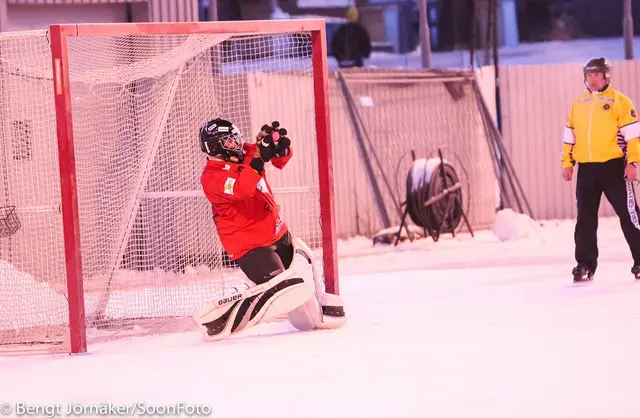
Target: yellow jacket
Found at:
x=601, y=127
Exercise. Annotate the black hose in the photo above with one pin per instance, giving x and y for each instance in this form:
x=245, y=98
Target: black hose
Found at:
x=429, y=186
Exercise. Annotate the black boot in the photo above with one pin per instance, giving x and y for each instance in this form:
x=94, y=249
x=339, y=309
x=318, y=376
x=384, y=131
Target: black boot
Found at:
x=635, y=270
x=584, y=273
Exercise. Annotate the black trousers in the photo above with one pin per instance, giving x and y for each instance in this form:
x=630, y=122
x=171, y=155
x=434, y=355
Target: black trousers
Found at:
x=593, y=180
x=264, y=263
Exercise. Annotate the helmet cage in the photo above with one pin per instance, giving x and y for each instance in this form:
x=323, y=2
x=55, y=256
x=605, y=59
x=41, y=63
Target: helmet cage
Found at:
x=231, y=142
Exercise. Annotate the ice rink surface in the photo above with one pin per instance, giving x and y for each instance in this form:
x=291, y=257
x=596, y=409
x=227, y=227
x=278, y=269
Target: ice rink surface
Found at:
x=466, y=327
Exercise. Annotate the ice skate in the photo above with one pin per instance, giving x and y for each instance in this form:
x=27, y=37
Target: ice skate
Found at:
x=582, y=273
x=635, y=270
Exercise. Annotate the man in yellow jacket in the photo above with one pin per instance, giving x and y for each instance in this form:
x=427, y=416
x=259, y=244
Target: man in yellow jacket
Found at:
x=603, y=137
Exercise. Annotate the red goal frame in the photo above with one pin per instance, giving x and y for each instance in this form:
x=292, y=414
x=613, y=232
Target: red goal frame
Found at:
x=59, y=35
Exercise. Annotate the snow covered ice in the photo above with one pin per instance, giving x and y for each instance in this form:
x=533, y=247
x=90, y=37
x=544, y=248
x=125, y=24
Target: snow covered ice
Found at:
x=466, y=327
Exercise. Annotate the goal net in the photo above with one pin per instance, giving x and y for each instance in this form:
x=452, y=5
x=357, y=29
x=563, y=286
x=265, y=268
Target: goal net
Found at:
x=150, y=255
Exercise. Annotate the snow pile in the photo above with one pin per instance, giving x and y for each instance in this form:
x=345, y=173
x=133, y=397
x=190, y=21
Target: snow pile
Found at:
x=510, y=225
x=26, y=302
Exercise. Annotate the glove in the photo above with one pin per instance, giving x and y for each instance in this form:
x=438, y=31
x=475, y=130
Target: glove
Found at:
x=266, y=144
x=272, y=141
x=283, y=145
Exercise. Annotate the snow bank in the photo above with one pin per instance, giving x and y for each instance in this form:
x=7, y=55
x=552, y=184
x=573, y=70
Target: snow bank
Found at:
x=26, y=302
x=510, y=225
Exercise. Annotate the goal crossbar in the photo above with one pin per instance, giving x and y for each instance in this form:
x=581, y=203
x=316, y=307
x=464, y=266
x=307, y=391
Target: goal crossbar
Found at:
x=245, y=27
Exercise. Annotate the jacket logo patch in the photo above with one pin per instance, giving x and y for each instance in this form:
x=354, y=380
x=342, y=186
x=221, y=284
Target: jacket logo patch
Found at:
x=228, y=185
x=633, y=113
x=606, y=106
x=262, y=186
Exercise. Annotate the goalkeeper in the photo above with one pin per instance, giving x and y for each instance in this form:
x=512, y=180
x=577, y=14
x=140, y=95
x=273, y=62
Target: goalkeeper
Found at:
x=255, y=236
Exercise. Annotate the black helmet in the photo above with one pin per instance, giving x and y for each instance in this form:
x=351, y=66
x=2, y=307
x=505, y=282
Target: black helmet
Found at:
x=598, y=65
x=221, y=138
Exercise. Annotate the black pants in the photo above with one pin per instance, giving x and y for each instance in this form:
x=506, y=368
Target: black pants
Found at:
x=593, y=180
x=264, y=263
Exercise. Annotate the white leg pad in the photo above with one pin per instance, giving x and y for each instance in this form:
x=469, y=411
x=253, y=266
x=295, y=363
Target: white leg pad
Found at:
x=332, y=312
x=263, y=303
x=305, y=317
x=323, y=310
x=311, y=315
x=297, y=293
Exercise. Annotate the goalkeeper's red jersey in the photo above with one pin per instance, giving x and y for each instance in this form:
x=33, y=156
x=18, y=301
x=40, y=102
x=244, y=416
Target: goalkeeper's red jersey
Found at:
x=244, y=209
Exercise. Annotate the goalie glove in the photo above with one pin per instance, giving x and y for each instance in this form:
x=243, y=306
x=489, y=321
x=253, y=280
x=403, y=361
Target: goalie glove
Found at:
x=272, y=141
x=283, y=146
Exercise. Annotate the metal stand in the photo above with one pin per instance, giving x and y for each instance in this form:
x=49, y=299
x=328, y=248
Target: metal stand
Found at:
x=403, y=222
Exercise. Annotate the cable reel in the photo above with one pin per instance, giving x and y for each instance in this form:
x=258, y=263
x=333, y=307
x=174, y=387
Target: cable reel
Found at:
x=434, y=196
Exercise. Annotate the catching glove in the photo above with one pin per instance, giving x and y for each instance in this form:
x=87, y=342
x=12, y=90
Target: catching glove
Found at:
x=272, y=141
x=283, y=144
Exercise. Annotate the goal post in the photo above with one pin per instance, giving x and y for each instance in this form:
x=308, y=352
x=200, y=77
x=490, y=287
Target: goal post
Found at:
x=139, y=251
x=68, y=191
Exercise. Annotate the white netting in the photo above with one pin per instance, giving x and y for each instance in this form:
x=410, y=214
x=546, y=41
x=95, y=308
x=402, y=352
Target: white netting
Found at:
x=150, y=253
x=33, y=306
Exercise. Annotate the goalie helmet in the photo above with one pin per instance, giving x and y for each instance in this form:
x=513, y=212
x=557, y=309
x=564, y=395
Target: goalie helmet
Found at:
x=598, y=65
x=221, y=138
